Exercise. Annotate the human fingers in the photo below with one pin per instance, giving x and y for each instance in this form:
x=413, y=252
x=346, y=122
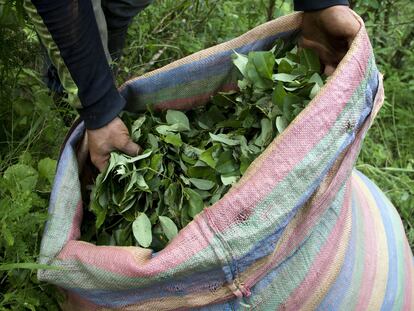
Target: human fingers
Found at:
x=130, y=148
x=99, y=158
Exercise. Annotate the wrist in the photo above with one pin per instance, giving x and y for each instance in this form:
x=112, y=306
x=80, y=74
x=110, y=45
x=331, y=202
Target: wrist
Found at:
x=103, y=111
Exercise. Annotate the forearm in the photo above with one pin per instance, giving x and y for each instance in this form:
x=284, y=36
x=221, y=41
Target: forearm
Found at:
x=313, y=5
x=69, y=31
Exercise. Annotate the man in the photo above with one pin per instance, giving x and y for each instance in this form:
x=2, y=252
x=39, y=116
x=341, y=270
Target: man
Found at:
x=81, y=36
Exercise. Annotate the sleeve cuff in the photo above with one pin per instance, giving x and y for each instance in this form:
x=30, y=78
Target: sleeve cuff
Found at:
x=306, y=5
x=103, y=111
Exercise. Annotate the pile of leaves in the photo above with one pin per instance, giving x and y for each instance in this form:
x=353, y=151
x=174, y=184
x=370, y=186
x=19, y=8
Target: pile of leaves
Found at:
x=190, y=160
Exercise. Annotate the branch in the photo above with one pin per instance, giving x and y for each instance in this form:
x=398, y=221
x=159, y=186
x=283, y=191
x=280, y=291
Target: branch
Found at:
x=397, y=59
x=271, y=9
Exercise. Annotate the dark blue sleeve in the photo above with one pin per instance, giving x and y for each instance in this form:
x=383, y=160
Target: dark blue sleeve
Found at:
x=313, y=5
x=73, y=28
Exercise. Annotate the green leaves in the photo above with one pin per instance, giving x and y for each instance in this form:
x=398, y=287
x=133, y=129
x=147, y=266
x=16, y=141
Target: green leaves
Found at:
x=177, y=117
x=281, y=124
x=141, y=227
x=259, y=69
x=191, y=160
x=256, y=68
x=21, y=176
x=136, y=128
x=310, y=59
x=23, y=214
x=263, y=63
x=7, y=235
x=266, y=134
x=229, y=180
x=226, y=163
x=202, y=184
x=240, y=61
x=47, y=168
x=174, y=139
x=208, y=156
x=316, y=78
x=171, y=195
x=223, y=138
x=284, y=77
x=170, y=129
x=195, y=201
x=168, y=226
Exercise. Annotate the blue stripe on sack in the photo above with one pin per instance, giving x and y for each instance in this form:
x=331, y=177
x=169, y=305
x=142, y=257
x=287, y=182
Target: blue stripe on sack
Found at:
x=262, y=248
x=68, y=154
x=266, y=245
x=392, y=282
x=336, y=294
x=185, y=285
x=111, y=298
x=119, y=298
x=228, y=306
x=212, y=65
x=273, y=274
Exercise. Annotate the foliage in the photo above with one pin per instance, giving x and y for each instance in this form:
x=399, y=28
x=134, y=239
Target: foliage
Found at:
x=190, y=161
x=35, y=121
x=23, y=191
x=387, y=156
x=31, y=131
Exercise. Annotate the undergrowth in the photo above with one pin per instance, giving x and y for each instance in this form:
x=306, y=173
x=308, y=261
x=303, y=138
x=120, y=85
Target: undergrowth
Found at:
x=34, y=121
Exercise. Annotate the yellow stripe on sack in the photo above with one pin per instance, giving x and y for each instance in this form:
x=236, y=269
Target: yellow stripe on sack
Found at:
x=335, y=266
x=178, y=302
x=381, y=275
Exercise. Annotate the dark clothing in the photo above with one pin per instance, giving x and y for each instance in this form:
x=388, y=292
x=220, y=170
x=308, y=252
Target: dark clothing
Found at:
x=76, y=35
x=313, y=5
x=118, y=15
x=73, y=28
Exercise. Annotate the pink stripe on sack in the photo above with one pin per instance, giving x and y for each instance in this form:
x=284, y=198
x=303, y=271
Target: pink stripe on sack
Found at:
x=192, y=102
x=370, y=251
x=318, y=207
x=197, y=235
x=319, y=272
x=409, y=276
x=296, y=142
x=74, y=232
x=137, y=262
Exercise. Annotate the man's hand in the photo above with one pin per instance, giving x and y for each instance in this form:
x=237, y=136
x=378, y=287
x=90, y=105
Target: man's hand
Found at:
x=330, y=33
x=113, y=136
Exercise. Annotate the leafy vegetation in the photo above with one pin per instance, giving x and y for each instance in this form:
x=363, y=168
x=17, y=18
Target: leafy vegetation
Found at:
x=190, y=161
x=24, y=190
x=34, y=122
x=387, y=155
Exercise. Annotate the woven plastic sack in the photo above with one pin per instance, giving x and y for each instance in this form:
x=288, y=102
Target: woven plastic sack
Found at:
x=300, y=230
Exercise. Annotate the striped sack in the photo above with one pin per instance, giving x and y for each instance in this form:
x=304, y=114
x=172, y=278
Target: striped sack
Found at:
x=300, y=230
